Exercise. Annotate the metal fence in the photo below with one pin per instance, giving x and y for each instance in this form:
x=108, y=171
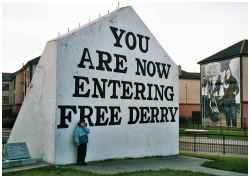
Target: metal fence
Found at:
x=196, y=142
x=5, y=136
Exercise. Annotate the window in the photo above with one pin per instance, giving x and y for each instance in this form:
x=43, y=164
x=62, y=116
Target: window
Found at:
x=5, y=100
x=5, y=87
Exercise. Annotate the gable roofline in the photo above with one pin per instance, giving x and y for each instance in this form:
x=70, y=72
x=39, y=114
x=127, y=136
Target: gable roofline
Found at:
x=73, y=31
x=110, y=15
x=236, y=50
x=189, y=75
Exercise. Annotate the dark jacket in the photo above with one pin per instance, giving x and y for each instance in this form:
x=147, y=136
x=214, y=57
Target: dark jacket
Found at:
x=81, y=135
x=229, y=96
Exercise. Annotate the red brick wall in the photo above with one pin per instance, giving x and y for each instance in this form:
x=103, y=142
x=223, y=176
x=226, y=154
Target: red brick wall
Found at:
x=187, y=109
x=245, y=113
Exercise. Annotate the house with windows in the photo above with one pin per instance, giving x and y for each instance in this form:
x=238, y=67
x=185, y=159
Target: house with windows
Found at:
x=22, y=81
x=16, y=85
x=8, y=93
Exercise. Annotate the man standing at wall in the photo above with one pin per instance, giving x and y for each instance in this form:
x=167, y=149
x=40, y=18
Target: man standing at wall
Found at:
x=231, y=89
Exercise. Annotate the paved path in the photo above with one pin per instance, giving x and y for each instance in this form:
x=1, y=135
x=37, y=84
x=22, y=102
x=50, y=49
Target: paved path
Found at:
x=22, y=168
x=156, y=163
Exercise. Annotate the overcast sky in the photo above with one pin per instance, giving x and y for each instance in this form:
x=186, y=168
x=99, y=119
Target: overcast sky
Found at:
x=188, y=32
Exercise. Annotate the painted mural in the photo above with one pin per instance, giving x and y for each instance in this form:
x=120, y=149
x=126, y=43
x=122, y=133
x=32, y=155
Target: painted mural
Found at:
x=220, y=87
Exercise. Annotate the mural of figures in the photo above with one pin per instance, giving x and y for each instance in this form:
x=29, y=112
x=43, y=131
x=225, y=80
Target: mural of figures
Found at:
x=220, y=87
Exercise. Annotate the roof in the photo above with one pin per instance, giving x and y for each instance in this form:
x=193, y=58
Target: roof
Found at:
x=189, y=75
x=7, y=76
x=33, y=61
x=236, y=50
x=10, y=76
x=30, y=62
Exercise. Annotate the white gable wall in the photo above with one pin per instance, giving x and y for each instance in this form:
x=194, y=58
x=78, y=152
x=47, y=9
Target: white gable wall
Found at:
x=53, y=85
x=125, y=140
x=35, y=123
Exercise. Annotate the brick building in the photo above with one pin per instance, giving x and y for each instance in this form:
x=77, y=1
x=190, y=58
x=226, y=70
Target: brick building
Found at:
x=8, y=93
x=189, y=101
x=22, y=81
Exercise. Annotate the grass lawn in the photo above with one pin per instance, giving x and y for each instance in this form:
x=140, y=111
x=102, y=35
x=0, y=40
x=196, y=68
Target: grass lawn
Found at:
x=228, y=163
x=164, y=172
x=64, y=171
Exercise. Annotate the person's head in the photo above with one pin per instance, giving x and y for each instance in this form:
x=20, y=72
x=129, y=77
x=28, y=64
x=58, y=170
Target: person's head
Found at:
x=82, y=123
x=227, y=74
